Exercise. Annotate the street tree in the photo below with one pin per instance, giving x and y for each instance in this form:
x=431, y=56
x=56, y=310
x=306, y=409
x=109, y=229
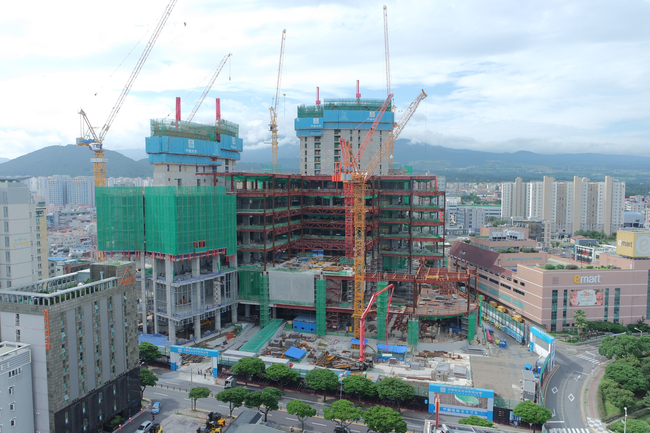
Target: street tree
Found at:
x=147, y=378
x=149, y=352
x=281, y=374
x=270, y=399
x=233, y=396
x=198, y=392
x=248, y=367
x=301, y=410
x=396, y=390
x=382, y=419
x=633, y=426
x=620, y=398
x=477, y=421
x=253, y=400
x=343, y=413
x=532, y=413
x=322, y=379
x=627, y=375
x=646, y=399
x=580, y=321
x=621, y=347
x=359, y=386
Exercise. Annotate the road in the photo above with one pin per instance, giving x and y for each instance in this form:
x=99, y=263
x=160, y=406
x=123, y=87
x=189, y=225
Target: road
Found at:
x=173, y=401
x=565, y=387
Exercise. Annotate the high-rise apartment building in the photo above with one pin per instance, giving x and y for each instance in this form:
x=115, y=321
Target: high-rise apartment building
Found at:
x=16, y=396
x=23, y=248
x=82, y=191
x=83, y=338
x=569, y=206
x=57, y=190
x=320, y=128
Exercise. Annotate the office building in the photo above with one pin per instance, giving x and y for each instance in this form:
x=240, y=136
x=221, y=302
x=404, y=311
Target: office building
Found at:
x=83, y=338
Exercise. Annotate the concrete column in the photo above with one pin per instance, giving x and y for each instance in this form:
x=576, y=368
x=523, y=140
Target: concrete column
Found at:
x=169, y=273
x=143, y=291
x=216, y=263
x=274, y=312
x=247, y=310
x=247, y=257
x=196, y=267
x=197, y=327
x=217, y=320
x=155, y=270
x=234, y=313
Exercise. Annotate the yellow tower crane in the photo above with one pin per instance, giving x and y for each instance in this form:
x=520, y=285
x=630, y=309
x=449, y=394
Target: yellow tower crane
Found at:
x=94, y=140
x=359, y=179
x=273, y=126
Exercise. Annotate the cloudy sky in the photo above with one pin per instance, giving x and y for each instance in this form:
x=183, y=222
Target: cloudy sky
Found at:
x=552, y=76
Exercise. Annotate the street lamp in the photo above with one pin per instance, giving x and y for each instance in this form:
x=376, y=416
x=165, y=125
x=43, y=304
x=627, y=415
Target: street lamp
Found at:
x=639, y=331
x=625, y=423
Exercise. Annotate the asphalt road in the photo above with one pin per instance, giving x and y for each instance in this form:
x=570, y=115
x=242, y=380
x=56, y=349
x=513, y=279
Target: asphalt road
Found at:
x=566, y=385
x=173, y=401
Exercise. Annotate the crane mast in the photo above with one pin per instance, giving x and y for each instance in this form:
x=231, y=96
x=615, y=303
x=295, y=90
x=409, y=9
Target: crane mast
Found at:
x=359, y=179
x=208, y=87
x=273, y=126
x=93, y=140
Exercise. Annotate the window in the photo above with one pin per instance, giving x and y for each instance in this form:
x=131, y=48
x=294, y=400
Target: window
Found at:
x=8, y=271
x=18, y=335
x=6, y=241
x=12, y=405
x=5, y=212
x=8, y=257
x=11, y=390
x=6, y=226
x=17, y=319
x=13, y=422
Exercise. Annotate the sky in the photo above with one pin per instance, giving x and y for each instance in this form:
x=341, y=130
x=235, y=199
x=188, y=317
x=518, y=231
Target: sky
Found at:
x=502, y=75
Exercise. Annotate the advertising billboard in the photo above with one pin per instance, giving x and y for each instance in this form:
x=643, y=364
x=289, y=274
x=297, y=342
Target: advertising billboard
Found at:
x=632, y=244
x=462, y=401
x=586, y=297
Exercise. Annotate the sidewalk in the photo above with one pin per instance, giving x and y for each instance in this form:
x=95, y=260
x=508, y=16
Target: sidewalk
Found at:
x=589, y=400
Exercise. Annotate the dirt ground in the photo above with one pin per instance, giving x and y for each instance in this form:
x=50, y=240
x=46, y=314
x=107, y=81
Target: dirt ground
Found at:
x=501, y=370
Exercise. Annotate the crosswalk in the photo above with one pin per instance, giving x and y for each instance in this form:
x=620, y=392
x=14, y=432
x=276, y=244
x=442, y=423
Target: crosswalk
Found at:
x=570, y=430
x=588, y=358
x=596, y=425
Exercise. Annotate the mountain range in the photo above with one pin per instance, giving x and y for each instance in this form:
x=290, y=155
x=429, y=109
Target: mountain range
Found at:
x=456, y=164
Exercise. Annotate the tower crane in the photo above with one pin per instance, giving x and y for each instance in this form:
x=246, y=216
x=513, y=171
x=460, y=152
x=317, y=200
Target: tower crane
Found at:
x=359, y=179
x=273, y=126
x=95, y=140
x=208, y=87
x=387, y=59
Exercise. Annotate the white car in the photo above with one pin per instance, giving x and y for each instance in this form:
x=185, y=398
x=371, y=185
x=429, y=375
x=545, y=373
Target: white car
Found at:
x=144, y=427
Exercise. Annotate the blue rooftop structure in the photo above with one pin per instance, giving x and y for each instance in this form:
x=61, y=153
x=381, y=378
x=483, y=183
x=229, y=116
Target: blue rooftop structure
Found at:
x=295, y=353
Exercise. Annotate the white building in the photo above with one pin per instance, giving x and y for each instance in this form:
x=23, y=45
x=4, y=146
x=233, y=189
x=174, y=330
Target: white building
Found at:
x=16, y=391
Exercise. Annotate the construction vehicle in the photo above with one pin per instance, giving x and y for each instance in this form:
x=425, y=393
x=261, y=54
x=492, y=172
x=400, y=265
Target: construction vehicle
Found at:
x=214, y=424
x=94, y=140
x=156, y=428
x=354, y=366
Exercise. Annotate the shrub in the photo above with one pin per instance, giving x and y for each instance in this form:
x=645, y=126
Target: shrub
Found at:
x=559, y=267
x=549, y=267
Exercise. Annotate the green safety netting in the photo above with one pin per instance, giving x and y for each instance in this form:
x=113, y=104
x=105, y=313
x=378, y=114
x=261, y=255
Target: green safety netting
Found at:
x=321, y=325
x=413, y=332
x=196, y=131
x=391, y=263
x=262, y=337
x=382, y=310
x=264, y=300
x=120, y=219
x=249, y=284
x=190, y=219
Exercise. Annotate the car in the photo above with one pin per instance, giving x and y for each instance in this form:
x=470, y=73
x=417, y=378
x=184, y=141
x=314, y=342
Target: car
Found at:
x=144, y=427
x=341, y=430
x=155, y=409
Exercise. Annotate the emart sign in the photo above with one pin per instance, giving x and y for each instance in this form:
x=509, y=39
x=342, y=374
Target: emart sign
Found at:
x=586, y=279
x=633, y=244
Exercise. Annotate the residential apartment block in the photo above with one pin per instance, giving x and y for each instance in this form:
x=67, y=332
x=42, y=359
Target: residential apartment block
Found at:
x=569, y=206
x=83, y=338
x=16, y=398
x=23, y=249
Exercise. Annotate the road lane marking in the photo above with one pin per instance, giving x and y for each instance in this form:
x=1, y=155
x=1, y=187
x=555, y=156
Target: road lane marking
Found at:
x=160, y=393
x=291, y=419
x=322, y=425
x=571, y=397
x=554, y=390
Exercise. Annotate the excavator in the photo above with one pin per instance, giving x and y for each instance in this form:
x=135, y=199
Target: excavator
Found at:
x=214, y=424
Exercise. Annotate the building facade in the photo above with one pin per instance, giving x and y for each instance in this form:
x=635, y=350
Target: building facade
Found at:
x=16, y=398
x=83, y=338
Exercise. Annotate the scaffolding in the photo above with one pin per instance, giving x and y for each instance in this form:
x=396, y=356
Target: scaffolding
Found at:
x=321, y=311
x=355, y=104
x=189, y=220
x=264, y=299
x=249, y=285
x=307, y=111
x=120, y=217
x=191, y=130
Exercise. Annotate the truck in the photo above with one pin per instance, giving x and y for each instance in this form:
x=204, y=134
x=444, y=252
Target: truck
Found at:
x=231, y=382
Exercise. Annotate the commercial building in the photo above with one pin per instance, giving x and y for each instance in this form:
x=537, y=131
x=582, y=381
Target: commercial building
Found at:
x=16, y=398
x=83, y=338
x=569, y=206
x=549, y=297
x=320, y=128
x=23, y=250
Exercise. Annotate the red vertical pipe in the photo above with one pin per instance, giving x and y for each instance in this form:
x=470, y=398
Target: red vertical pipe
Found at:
x=358, y=94
x=317, y=96
x=218, y=109
x=178, y=109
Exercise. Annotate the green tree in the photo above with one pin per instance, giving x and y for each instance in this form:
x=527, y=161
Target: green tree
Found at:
x=253, y=399
x=646, y=399
x=147, y=378
x=343, y=413
x=359, y=385
x=249, y=366
x=322, y=379
x=396, y=390
x=149, y=352
x=605, y=385
x=233, y=396
x=621, y=346
x=301, y=410
x=580, y=321
x=382, y=419
x=198, y=392
x=270, y=399
x=629, y=377
x=281, y=374
x=621, y=398
x=532, y=413
x=476, y=420
x=633, y=426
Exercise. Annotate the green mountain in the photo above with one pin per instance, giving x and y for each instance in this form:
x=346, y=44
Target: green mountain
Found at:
x=74, y=161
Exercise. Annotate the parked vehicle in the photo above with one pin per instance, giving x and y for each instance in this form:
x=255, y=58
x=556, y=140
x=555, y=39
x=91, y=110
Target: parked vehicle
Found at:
x=155, y=409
